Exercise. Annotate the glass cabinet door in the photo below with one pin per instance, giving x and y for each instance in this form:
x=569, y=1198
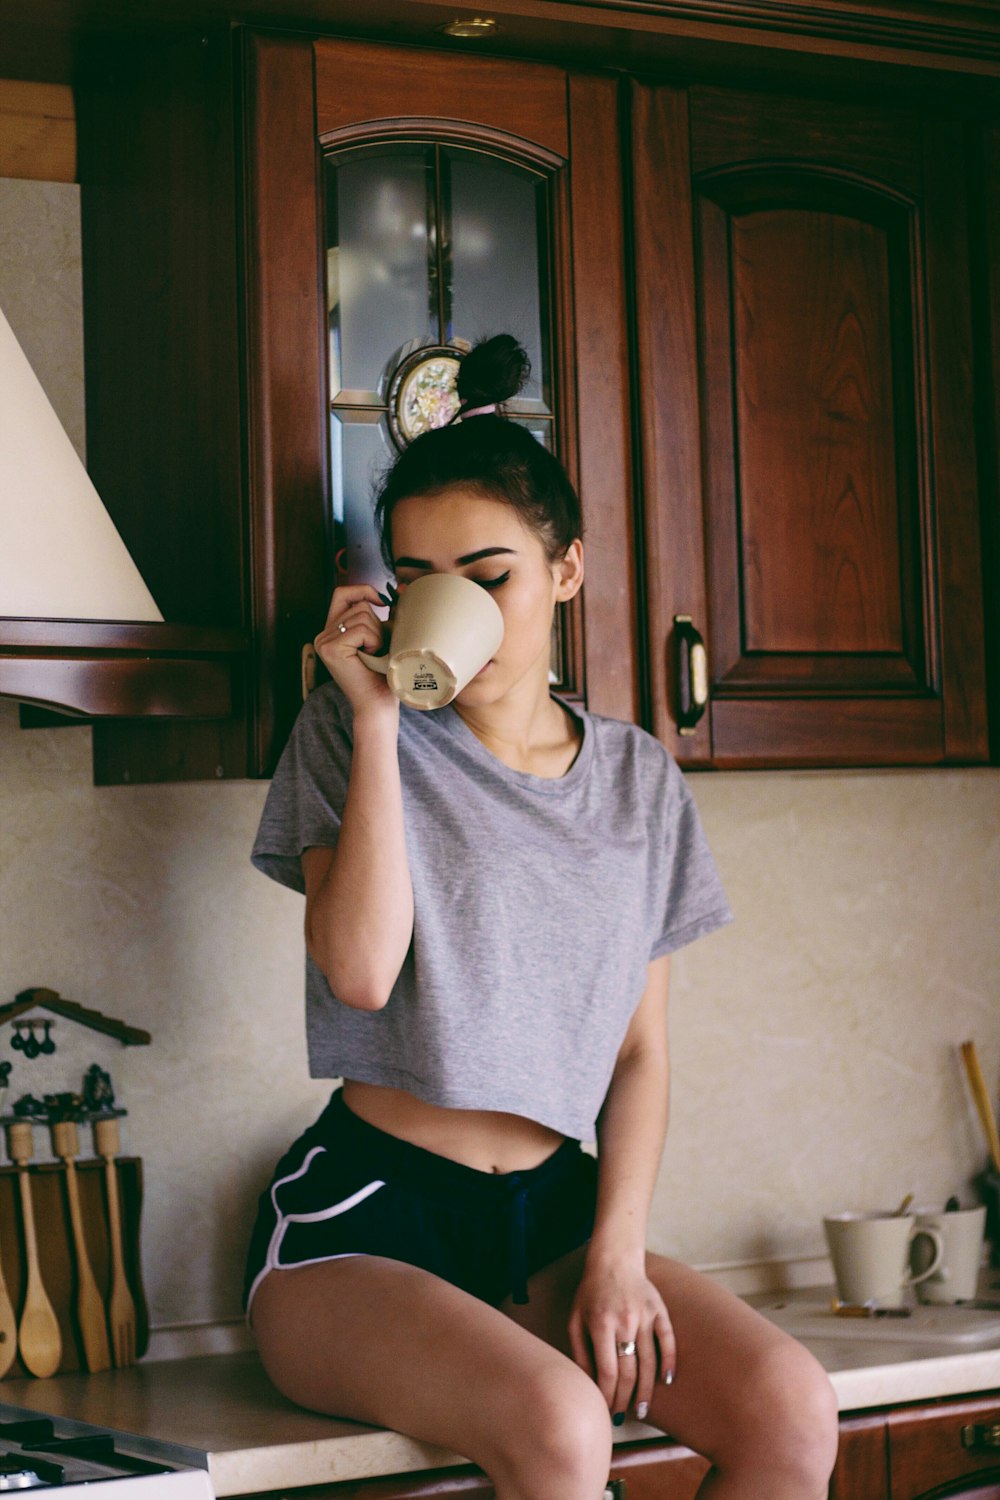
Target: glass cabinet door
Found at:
x=429, y=247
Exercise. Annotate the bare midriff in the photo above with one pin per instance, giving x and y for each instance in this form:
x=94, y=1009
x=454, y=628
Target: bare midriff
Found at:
x=486, y=1139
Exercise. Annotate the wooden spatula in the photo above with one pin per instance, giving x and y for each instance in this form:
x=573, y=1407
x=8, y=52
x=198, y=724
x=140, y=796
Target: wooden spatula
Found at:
x=8, y=1328
x=121, y=1308
x=38, y=1338
x=89, y=1303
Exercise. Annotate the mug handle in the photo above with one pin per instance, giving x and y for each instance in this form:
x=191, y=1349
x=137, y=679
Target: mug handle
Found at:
x=375, y=663
x=932, y=1234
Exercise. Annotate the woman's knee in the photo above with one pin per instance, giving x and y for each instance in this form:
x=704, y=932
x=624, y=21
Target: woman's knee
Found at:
x=560, y=1439
x=793, y=1415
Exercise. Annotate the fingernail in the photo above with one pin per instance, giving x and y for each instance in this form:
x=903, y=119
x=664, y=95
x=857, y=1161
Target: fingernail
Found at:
x=668, y=1378
x=618, y=1418
x=641, y=1410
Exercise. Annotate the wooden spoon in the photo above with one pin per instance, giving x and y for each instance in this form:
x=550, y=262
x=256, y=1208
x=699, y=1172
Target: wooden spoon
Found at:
x=121, y=1309
x=89, y=1303
x=981, y=1098
x=8, y=1328
x=38, y=1336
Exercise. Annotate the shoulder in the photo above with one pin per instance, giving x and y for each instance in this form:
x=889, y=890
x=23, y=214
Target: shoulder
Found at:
x=622, y=744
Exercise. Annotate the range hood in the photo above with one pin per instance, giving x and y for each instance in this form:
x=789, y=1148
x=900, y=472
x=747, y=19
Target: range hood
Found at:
x=79, y=630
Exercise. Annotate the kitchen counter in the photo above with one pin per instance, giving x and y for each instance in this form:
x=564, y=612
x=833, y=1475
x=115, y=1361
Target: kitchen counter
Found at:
x=220, y=1411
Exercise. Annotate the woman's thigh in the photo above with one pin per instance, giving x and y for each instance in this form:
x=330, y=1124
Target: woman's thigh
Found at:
x=379, y=1341
x=739, y=1381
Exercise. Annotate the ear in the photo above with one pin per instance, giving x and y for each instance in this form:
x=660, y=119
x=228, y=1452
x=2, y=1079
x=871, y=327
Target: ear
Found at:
x=568, y=572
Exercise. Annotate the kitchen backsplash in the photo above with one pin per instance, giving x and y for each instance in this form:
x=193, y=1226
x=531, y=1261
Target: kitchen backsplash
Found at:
x=814, y=1042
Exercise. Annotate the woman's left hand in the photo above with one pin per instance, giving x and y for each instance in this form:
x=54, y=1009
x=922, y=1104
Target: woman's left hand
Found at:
x=617, y=1303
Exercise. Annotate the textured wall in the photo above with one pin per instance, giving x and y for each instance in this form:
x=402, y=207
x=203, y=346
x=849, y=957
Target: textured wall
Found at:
x=814, y=1041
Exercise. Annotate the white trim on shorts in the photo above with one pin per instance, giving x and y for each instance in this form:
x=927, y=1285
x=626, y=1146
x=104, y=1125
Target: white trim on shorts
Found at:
x=272, y=1260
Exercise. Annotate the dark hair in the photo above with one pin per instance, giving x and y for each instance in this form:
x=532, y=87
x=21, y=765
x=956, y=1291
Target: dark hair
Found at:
x=488, y=454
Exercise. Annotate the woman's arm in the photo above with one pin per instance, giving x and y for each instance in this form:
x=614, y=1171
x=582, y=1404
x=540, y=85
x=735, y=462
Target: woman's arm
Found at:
x=359, y=897
x=615, y=1301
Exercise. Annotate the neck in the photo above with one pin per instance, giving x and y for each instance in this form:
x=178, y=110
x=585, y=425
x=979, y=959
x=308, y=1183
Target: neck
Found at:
x=526, y=730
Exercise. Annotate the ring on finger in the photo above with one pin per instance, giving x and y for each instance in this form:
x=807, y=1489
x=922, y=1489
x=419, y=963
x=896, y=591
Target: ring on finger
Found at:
x=624, y=1348
x=342, y=628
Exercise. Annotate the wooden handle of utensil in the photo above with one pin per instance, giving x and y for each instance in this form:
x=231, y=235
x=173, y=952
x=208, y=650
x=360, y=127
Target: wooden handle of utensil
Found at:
x=65, y=1140
x=107, y=1138
x=981, y=1098
x=20, y=1142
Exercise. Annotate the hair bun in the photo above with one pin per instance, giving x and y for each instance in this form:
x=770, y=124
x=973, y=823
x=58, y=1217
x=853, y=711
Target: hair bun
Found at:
x=493, y=371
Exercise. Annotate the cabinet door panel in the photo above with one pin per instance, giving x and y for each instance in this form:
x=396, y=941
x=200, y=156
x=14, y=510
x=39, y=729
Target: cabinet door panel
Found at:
x=804, y=498
x=948, y=1449
x=335, y=95
x=862, y=1470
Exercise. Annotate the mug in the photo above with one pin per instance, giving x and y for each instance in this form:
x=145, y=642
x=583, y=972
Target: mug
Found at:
x=871, y=1252
x=962, y=1233
x=445, y=628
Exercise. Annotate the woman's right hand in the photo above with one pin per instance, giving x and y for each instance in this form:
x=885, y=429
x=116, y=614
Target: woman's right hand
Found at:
x=352, y=626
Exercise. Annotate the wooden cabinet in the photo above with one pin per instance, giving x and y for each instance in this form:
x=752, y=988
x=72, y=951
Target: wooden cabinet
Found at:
x=797, y=368
x=208, y=387
x=808, y=447
x=950, y=1449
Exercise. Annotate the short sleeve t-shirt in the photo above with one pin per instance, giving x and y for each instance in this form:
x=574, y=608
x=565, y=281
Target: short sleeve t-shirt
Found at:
x=538, y=904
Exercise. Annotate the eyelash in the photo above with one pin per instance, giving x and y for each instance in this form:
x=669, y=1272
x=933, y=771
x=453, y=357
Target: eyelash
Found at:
x=492, y=583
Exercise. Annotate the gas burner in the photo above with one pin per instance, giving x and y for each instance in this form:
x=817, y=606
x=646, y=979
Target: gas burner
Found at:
x=41, y=1453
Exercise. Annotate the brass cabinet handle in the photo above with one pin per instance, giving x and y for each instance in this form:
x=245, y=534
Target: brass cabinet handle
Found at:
x=981, y=1435
x=692, y=674
x=308, y=669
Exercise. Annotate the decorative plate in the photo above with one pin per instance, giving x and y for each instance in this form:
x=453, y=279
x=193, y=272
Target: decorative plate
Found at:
x=422, y=392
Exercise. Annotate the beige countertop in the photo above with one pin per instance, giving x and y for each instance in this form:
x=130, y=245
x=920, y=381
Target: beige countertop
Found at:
x=221, y=1410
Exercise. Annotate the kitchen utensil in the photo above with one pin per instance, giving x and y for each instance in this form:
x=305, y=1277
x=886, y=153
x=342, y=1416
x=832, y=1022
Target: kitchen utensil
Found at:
x=445, y=629
x=121, y=1308
x=38, y=1338
x=957, y=1277
x=905, y=1202
x=89, y=1303
x=981, y=1099
x=8, y=1328
x=870, y=1252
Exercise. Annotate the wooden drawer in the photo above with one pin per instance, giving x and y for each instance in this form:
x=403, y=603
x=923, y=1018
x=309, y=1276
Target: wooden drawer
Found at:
x=934, y=1448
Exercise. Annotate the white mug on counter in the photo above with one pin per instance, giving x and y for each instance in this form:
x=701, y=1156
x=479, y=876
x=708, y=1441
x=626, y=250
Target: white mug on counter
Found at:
x=961, y=1231
x=445, y=628
x=871, y=1253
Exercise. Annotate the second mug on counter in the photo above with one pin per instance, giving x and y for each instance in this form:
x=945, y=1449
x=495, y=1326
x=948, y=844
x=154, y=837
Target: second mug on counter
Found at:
x=870, y=1255
x=961, y=1233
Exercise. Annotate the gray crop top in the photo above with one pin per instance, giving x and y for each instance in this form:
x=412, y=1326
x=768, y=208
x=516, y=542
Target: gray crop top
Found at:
x=538, y=904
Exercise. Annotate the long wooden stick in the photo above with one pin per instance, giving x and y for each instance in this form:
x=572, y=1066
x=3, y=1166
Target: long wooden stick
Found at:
x=981, y=1099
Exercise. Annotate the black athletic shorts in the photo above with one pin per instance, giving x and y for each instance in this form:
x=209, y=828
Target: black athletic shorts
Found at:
x=347, y=1188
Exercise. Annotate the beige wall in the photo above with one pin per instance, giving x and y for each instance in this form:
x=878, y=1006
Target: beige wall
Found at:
x=814, y=1041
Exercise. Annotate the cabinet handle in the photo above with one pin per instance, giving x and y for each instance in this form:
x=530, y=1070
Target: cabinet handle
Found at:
x=692, y=674
x=616, y=1490
x=981, y=1435
x=308, y=669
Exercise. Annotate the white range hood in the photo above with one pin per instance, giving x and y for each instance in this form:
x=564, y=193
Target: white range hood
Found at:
x=60, y=554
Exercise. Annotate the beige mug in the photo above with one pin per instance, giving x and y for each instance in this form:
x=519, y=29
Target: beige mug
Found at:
x=871, y=1253
x=445, y=628
x=962, y=1232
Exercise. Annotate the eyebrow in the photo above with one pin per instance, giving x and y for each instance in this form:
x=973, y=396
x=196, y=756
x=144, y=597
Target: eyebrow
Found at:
x=461, y=562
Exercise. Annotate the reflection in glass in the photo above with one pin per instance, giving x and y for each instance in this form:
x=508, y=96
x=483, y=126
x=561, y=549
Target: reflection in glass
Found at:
x=497, y=212
x=377, y=220
x=360, y=452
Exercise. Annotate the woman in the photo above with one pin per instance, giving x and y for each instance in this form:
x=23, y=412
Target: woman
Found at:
x=492, y=894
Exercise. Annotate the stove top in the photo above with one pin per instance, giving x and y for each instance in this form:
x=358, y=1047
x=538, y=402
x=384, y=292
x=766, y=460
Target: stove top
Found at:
x=51, y=1453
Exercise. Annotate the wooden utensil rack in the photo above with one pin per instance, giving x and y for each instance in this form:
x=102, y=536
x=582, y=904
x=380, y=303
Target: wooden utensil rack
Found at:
x=55, y=1246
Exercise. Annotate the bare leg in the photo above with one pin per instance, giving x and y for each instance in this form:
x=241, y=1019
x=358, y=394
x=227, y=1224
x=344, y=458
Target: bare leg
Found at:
x=382, y=1342
x=749, y=1398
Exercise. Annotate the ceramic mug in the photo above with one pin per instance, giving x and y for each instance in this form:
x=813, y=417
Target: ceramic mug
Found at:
x=445, y=628
x=871, y=1253
x=962, y=1232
